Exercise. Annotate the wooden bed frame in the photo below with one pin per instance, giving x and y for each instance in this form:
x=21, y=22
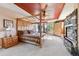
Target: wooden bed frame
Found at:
x=30, y=38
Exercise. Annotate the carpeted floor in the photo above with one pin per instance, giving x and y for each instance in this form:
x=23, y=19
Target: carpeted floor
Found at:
x=52, y=46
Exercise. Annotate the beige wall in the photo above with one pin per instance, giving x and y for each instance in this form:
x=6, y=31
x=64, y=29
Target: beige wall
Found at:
x=68, y=8
x=2, y=33
x=22, y=24
x=58, y=29
x=14, y=24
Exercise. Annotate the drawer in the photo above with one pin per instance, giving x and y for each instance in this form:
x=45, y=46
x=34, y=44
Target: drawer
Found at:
x=11, y=41
x=0, y=43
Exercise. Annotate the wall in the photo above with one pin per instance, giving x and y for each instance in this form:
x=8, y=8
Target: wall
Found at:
x=2, y=33
x=22, y=24
x=78, y=26
x=58, y=28
x=67, y=10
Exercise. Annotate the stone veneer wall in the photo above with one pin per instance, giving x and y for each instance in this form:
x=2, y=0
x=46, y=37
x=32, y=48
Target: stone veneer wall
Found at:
x=78, y=26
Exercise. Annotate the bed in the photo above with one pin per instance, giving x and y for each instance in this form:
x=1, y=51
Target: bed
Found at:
x=33, y=38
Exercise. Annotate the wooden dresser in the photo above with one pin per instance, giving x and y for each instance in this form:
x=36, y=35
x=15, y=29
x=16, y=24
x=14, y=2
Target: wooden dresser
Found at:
x=9, y=41
x=0, y=42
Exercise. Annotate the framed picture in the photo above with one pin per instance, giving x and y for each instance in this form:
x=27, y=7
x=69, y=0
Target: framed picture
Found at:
x=8, y=24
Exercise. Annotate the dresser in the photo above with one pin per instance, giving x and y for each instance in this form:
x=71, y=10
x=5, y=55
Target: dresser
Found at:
x=9, y=41
x=0, y=42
